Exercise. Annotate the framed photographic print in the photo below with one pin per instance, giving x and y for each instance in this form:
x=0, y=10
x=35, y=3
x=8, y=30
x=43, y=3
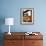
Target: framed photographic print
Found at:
x=26, y=16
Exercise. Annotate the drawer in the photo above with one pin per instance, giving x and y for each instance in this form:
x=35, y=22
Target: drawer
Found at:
x=33, y=43
x=13, y=43
x=33, y=37
x=16, y=37
x=37, y=43
x=9, y=43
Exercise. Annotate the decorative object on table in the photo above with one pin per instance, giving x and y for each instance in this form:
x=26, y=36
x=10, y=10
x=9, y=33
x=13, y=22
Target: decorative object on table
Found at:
x=30, y=33
x=9, y=21
x=26, y=16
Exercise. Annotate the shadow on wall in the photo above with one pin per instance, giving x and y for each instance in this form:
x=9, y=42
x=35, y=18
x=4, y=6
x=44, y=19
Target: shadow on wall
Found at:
x=2, y=21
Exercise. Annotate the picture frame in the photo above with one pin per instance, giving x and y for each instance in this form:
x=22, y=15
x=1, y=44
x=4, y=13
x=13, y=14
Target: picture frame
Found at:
x=27, y=15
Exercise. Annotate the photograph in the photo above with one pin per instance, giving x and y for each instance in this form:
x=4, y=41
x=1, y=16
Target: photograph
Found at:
x=26, y=16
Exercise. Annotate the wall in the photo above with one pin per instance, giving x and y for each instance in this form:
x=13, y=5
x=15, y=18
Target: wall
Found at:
x=11, y=8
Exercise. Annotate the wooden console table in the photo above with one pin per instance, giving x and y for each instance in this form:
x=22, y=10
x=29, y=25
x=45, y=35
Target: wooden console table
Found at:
x=20, y=39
